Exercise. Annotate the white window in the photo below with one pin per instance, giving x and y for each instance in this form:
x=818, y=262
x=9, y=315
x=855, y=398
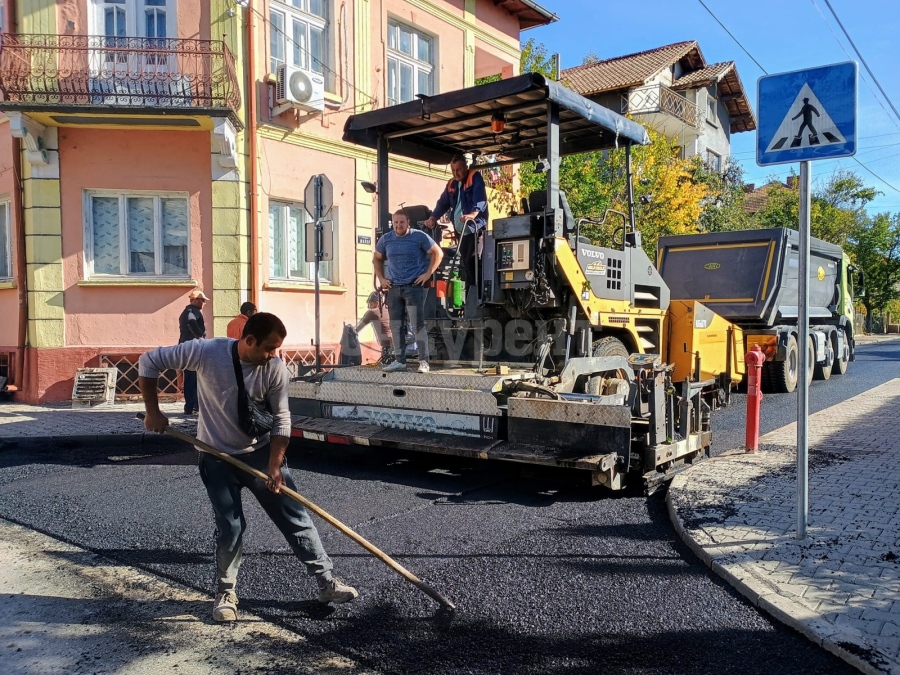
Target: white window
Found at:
x=287, y=245
x=5, y=242
x=136, y=234
x=299, y=34
x=712, y=110
x=714, y=161
x=133, y=18
x=410, y=63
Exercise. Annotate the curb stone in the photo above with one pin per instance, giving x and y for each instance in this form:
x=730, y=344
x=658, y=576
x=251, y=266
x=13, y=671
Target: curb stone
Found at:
x=780, y=608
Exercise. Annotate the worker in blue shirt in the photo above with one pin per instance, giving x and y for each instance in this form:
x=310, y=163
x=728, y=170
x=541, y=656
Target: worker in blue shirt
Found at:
x=466, y=197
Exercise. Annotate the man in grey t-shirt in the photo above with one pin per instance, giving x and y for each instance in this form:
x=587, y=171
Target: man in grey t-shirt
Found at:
x=412, y=258
x=265, y=379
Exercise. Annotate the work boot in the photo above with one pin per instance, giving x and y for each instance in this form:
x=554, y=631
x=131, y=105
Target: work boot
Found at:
x=332, y=590
x=225, y=608
x=423, y=367
x=395, y=367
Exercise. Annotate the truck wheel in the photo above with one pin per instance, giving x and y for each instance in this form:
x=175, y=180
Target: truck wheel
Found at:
x=608, y=346
x=823, y=372
x=810, y=360
x=841, y=362
x=785, y=373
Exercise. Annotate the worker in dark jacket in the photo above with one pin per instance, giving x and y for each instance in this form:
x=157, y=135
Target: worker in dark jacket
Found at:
x=192, y=327
x=465, y=197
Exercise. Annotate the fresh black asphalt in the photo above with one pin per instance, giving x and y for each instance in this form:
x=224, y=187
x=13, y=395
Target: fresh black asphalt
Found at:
x=548, y=576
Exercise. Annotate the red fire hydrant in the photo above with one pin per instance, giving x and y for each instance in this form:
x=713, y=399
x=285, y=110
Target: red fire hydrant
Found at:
x=754, y=359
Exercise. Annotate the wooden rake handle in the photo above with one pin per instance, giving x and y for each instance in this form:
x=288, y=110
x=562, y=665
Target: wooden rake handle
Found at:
x=324, y=515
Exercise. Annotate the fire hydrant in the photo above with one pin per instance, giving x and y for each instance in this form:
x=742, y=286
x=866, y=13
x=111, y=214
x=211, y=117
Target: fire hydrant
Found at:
x=754, y=359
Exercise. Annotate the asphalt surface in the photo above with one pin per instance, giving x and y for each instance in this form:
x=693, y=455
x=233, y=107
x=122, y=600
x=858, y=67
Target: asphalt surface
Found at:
x=548, y=576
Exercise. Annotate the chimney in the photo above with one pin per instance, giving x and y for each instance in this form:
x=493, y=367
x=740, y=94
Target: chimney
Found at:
x=793, y=182
x=749, y=187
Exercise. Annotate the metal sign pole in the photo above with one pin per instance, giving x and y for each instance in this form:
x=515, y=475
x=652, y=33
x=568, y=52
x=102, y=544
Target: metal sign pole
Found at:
x=803, y=382
x=318, y=238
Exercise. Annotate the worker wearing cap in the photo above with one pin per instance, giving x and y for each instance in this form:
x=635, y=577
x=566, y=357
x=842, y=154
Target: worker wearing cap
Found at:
x=192, y=327
x=235, y=328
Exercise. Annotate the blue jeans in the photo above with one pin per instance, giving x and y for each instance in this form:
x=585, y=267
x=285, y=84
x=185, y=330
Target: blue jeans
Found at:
x=224, y=483
x=403, y=300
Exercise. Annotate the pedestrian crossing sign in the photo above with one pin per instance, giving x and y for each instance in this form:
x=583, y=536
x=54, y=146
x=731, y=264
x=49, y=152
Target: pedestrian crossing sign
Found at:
x=807, y=114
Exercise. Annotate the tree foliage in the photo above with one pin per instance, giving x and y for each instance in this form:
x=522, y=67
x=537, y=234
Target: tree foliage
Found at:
x=535, y=59
x=668, y=199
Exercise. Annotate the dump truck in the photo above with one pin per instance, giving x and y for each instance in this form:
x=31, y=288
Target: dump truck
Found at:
x=557, y=355
x=750, y=279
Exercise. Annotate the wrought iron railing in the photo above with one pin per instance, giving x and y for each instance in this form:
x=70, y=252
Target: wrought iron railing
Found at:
x=657, y=98
x=86, y=70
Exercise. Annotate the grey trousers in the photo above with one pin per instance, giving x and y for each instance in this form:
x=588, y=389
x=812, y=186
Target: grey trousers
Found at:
x=224, y=483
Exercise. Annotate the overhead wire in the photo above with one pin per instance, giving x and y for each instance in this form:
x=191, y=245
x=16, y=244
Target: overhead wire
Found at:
x=731, y=35
x=865, y=80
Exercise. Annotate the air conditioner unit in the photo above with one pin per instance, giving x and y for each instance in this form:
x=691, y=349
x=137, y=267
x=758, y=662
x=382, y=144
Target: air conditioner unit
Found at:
x=300, y=89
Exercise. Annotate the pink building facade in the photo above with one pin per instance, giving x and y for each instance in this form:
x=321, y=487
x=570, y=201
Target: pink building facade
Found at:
x=151, y=147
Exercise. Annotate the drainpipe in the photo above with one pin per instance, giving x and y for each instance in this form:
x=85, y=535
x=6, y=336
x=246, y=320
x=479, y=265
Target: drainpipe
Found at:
x=252, y=149
x=21, y=269
x=19, y=211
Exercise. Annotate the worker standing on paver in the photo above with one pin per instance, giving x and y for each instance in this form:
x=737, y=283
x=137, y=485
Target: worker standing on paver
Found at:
x=264, y=378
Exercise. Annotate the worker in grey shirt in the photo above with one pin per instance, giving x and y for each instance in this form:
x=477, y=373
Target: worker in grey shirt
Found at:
x=265, y=379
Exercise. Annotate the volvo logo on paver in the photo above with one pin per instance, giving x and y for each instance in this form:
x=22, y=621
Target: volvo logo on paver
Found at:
x=410, y=420
x=587, y=253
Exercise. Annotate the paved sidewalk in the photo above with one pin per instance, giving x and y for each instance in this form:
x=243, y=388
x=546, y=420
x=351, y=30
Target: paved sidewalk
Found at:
x=841, y=585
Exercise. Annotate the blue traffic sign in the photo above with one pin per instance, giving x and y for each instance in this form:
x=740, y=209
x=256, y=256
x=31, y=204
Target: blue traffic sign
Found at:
x=807, y=114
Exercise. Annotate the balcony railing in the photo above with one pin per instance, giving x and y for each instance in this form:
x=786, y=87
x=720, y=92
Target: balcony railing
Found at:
x=657, y=98
x=48, y=71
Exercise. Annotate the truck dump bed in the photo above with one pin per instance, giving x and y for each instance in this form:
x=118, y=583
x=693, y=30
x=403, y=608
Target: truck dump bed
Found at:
x=750, y=277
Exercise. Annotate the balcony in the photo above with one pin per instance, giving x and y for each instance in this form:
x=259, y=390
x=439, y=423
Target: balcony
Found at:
x=69, y=76
x=669, y=110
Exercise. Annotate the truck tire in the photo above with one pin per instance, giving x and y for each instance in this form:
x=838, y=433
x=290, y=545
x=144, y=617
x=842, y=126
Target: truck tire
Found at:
x=785, y=373
x=810, y=360
x=823, y=372
x=608, y=346
x=840, y=362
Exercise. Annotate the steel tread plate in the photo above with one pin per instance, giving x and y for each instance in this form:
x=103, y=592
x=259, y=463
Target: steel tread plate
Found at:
x=465, y=379
x=442, y=399
x=569, y=411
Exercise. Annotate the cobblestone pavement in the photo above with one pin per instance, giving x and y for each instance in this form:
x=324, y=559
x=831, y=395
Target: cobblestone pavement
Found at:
x=108, y=423
x=841, y=585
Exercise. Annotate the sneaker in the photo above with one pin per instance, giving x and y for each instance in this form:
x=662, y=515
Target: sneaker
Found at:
x=395, y=367
x=336, y=592
x=423, y=367
x=225, y=608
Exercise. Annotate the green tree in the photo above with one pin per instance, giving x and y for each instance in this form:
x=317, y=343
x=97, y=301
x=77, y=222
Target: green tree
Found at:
x=668, y=200
x=874, y=244
x=723, y=206
x=535, y=59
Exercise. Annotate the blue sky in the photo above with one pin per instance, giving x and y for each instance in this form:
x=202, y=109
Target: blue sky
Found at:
x=782, y=35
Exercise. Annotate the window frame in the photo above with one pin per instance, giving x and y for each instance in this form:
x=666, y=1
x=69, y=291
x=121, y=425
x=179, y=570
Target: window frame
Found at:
x=405, y=59
x=714, y=161
x=712, y=110
x=289, y=13
x=123, y=195
x=7, y=226
x=286, y=205
x=135, y=24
